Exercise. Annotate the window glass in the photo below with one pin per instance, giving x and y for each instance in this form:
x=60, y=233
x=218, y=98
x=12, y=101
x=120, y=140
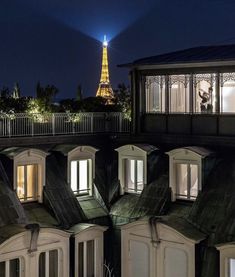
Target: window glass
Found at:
x=134, y=173
x=186, y=180
x=204, y=93
x=27, y=182
x=2, y=269
x=53, y=263
x=155, y=93
x=227, y=96
x=79, y=175
x=83, y=176
x=80, y=259
x=42, y=264
x=231, y=267
x=48, y=264
x=14, y=268
x=86, y=259
x=90, y=259
x=179, y=93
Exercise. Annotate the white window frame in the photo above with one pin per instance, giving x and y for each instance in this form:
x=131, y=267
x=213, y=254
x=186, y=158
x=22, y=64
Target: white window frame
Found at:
x=48, y=239
x=47, y=264
x=227, y=252
x=130, y=152
x=83, y=153
x=95, y=233
x=32, y=157
x=189, y=185
x=169, y=238
x=7, y=266
x=183, y=156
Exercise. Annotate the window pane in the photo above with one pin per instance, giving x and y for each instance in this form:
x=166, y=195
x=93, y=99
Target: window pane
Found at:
x=90, y=258
x=42, y=265
x=155, y=94
x=179, y=94
x=130, y=174
x=2, y=269
x=176, y=263
x=140, y=175
x=73, y=175
x=20, y=182
x=231, y=267
x=14, y=268
x=31, y=181
x=80, y=259
x=228, y=96
x=139, y=253
x=182, y=180
x=194, y=181
x=204, y=94
x=53, y=263
x=83, y=176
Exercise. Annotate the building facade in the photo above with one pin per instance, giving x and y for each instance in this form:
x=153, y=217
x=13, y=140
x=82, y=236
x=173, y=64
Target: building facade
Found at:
x=157, y=202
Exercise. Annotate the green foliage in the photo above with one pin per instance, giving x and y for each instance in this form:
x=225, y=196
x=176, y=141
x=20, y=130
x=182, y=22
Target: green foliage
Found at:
x=46, y=94
x=123, y=100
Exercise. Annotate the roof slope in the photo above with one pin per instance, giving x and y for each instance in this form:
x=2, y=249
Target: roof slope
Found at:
x=192, y=55
x=60, y=196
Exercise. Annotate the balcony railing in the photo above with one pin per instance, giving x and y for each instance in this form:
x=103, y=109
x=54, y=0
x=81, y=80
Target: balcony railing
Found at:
x=18, y=125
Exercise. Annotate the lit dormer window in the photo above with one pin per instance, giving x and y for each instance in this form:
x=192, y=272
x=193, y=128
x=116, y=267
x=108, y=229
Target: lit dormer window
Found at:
x=132, y=167
x=185, y=176
x=227, y=259
x=81, y=169
x=27, y=181
x=80, y=172
x=186, y=180
x=29, y=174
x=134, y=173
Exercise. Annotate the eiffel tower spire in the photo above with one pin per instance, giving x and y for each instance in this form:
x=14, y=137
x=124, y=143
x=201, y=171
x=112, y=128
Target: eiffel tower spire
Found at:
x=105, y=90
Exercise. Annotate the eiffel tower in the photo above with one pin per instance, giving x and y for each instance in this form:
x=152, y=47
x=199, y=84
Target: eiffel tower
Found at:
x=105, y=90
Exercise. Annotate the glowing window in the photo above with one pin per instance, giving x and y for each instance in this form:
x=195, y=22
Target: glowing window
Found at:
x=80, y=176
x=231, y=267
x=27, y=182
x=86, y=258
x=186, y=181
x=134, y=175
x=179, y=93
x=155, y=93
x=49, y=264
x=10, y=268
x=228, y=97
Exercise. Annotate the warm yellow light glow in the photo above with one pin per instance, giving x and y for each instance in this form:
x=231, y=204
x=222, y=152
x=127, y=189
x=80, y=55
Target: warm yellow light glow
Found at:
x=105, y=90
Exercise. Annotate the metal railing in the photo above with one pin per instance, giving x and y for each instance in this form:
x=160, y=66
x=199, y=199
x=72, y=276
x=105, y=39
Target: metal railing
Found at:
x=13, y=125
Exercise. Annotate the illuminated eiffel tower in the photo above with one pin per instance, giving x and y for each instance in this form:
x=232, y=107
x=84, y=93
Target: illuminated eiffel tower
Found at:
x=105, y=90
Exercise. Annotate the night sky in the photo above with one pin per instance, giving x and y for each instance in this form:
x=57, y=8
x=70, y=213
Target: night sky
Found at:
x=59, y=42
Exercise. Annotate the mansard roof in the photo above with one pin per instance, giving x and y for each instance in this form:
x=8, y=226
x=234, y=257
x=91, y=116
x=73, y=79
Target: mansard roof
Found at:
x=191, y=55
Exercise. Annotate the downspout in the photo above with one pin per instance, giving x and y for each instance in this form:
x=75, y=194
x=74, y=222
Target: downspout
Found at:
x=155, y=239
x=34, y=228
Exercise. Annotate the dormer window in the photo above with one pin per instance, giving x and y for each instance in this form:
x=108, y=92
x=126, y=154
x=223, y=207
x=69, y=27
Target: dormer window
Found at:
x=132, y=167
x=134, y=173
x=227, y=259
x=81, y=176
x=27, y=181
x=185, y=176
x=29, y=174
x=186, y=180
x=81, y=169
